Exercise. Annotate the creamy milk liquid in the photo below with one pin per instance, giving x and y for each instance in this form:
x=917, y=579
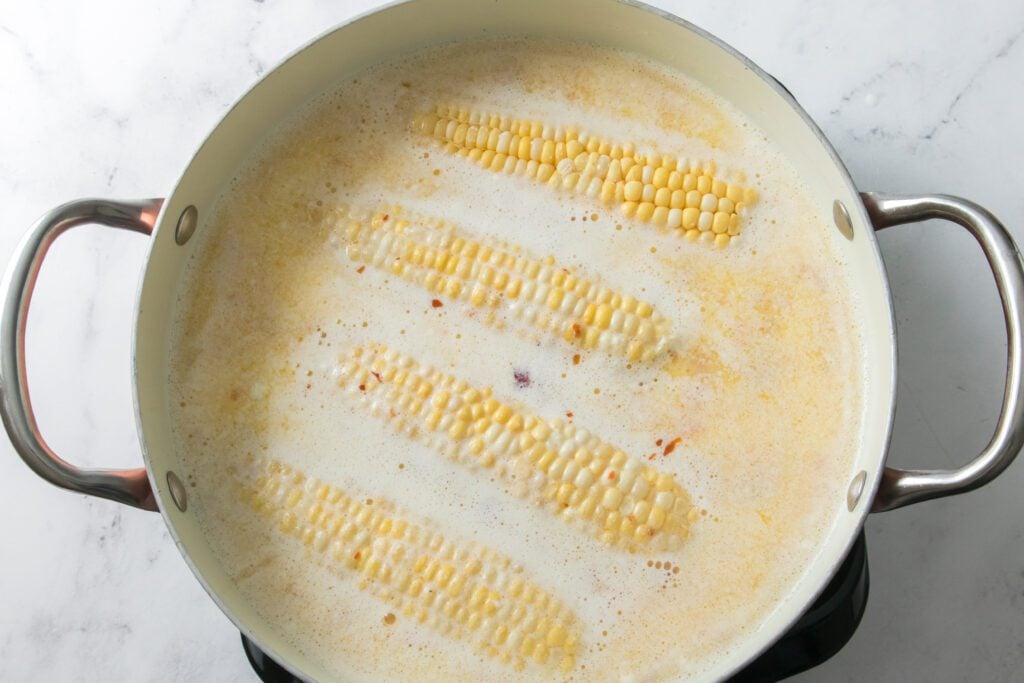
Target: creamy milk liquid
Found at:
x=752, y=404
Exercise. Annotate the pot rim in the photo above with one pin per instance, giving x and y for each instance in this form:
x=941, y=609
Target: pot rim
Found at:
x=858, y=215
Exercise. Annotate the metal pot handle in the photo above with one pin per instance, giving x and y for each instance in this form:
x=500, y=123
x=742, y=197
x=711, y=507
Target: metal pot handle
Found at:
x=130, y=487
x=903, y=487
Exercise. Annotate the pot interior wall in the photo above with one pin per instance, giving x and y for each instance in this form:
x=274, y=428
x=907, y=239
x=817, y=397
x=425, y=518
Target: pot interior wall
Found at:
x=419, y=23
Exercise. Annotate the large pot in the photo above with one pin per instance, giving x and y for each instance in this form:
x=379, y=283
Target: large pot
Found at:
x=873, y=487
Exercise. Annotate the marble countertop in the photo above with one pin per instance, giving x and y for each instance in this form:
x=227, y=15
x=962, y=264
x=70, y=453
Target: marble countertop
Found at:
x=110, y=98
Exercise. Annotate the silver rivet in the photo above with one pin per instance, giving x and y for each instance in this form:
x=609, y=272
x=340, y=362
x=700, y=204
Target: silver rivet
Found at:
x=186, y=224
x=856, y=489
x=842, y=219
x=177, y=490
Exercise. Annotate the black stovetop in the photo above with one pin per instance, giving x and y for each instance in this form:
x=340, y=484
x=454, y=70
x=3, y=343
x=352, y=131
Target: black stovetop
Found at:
x=820, y=633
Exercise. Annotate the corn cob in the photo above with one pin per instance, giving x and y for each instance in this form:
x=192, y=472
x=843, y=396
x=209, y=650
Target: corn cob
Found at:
x=614, y=497
x=676, y=193
x=495, y=276
x=465, y=591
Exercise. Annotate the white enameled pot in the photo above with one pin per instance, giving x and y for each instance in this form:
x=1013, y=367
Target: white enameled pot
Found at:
x=401, y=27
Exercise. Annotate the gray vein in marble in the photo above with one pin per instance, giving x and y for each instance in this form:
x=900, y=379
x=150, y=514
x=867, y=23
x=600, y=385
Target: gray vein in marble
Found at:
x=922, y=415
x=86, y=349
x=879, y=76
x=30, y=59
x=258, y=65
x=110, y=178
x=1005, y=49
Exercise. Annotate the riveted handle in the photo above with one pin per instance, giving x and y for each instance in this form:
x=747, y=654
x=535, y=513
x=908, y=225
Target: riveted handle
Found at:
x=130, y=486
x=903, y=487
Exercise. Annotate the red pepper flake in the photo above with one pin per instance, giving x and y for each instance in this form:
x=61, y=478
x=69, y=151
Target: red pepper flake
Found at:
x=361, y=269
x=437, y=303
x=658, y=442
x=358, y=554
x=377, y=375
x=611, y=474
x=576, y=359
x=671, y=445
x=652, y=456
x=362, y=387
x=569, y=414
x=522, y=378
x=386, y=216
x=576, y=332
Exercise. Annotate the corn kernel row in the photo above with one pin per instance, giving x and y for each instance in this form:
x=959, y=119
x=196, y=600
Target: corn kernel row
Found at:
x=614, y=497
x=464, y=591
x=494, y=275
x=679, y=194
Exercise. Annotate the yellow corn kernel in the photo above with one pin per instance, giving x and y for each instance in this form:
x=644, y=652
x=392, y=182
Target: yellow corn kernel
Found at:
x=458, y=429
x=660, y=215
x=555, y=297
x=677, y=200
x=734, y=225
x=704, y=222
x=660, y=177
x=690, y=218
x=720, y=223
x=633, y=190
x=612, y=498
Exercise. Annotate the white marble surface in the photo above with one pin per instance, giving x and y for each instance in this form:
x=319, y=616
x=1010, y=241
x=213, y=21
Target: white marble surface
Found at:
x=109, y=98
